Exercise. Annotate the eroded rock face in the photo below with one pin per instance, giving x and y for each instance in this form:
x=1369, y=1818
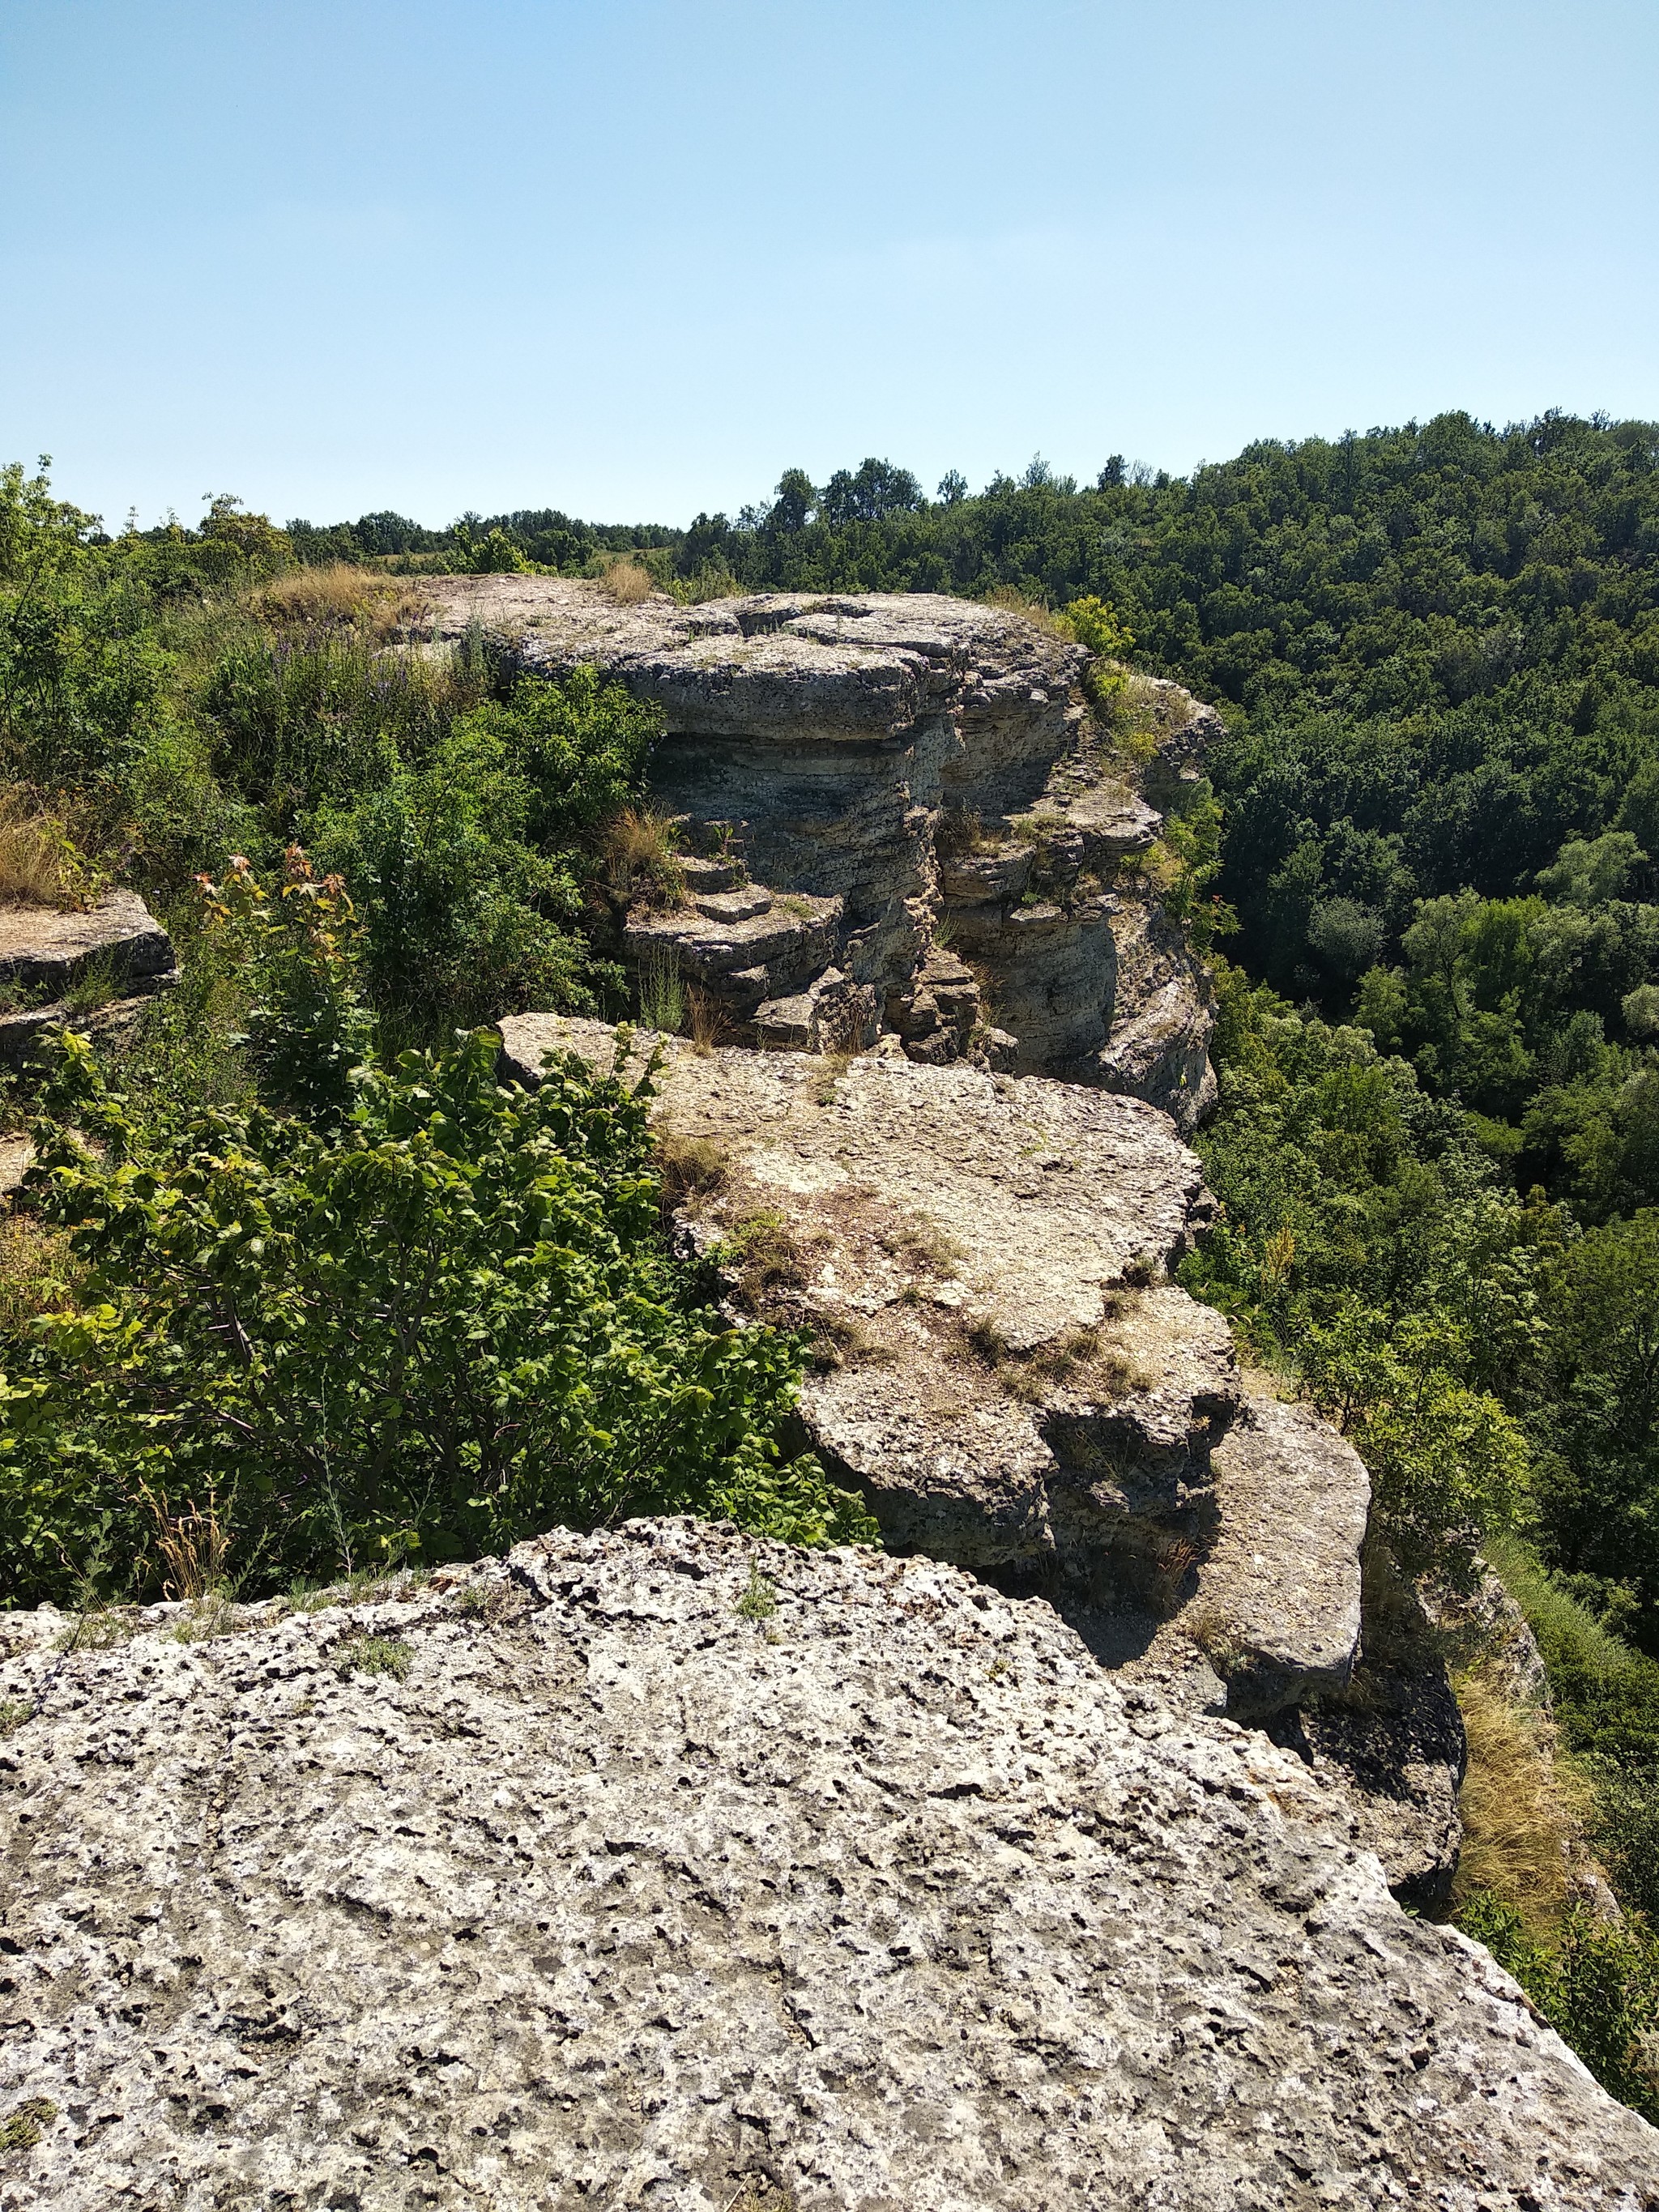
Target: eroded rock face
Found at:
x=45, y=952
x=606, y=1894
x=922, y=770
x=1015, y=1384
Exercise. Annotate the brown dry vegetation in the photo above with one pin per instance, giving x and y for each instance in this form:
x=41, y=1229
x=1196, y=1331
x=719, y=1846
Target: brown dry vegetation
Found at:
x=708, y=1022
x=641, y=862
x=341, y=596
x=40, y=863
x=1011, y=600
x=692, y=1167
x=36, y=1270
x=627, y=581
x=1523, y=1808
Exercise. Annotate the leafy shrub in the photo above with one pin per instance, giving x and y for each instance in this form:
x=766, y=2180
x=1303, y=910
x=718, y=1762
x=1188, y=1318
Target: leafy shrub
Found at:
x=310, y=1033
x=429, y=1332
x=314, y=721
x=464, y=918
x=471, y=865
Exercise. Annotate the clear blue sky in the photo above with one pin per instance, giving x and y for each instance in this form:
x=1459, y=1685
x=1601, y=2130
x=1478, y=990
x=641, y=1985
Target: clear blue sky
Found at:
x=634, y=258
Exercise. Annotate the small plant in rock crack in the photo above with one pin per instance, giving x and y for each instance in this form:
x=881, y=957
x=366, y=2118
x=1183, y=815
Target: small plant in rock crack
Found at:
x=97, y=1628
x=488, y=1601
x=13, y=1711
x=213, y=1613
x=759, y=1600
x=374, y=1655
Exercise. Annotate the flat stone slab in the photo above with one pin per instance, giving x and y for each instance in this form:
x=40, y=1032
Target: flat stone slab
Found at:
x=1281, y=1585
x=847, y=666
x=611, y=1895
x=46, y=945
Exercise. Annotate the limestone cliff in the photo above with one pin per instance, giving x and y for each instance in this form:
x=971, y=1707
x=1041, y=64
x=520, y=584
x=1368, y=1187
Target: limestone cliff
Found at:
x=901, y=819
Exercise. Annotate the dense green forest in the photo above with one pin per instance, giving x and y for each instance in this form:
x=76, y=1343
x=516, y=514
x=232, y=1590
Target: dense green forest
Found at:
x=1436, y=652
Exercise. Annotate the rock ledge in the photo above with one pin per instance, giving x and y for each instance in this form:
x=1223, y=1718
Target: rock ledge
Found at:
x=605, y=1894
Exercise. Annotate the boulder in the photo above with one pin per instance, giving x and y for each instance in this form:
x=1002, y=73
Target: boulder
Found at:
x=659, y=1867
x=46, y=952
x=48, y=948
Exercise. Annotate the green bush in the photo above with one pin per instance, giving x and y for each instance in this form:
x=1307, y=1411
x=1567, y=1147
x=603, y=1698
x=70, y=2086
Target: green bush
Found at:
x=465, y=919
x=473, y=867
x=440, y=1327
x=303, y=724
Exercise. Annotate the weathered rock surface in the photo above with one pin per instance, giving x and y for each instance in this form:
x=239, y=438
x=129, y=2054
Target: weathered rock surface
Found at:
x=920, y=770
x=1390, y=1742
x=45, y=951
x=1014, y=1384
x=49, y=947
x=607, y=1894
x=1280, y=1583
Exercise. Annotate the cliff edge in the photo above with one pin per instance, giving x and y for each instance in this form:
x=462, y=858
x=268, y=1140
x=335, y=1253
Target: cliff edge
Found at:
x=899, y=817
x=663, y=1868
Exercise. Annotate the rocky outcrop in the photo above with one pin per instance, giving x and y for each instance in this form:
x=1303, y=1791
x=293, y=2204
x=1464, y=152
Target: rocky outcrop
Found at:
x=1007, y=1374
x=1011, y=1379
x=46, y=952
x=663, y=1868
x=920, y=779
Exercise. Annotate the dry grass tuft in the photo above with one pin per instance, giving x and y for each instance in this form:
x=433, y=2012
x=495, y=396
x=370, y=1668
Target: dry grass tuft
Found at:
x=194, y=1545
x=768, y=1255
x=341, y=596
x=627, y=581
x=708, y=1021
x=1013, y=601
x=35, y=1262
x=639, y=860
x=39, y=862
x=924, y=1243
x=961, y=830
x=692, y=1167
x=1523, y=1808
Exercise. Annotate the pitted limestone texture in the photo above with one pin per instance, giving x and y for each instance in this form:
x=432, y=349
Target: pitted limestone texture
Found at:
x=619, y=1897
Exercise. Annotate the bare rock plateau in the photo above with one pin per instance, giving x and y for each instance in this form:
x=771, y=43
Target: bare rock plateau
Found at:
x=619, y=1890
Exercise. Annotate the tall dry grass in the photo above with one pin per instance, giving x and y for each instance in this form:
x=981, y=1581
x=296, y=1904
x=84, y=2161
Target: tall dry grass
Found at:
x=627, y=581
x=1523, y=1806
x=40, y=863
x=38, y=1272
x=341, y=596
x=1011, y=600
x=194, y=1545
x=641, y=862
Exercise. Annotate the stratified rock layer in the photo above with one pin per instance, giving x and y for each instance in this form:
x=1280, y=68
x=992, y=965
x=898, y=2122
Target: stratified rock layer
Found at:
x=614, y=1894
x=46, y=952
x=935, y=841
